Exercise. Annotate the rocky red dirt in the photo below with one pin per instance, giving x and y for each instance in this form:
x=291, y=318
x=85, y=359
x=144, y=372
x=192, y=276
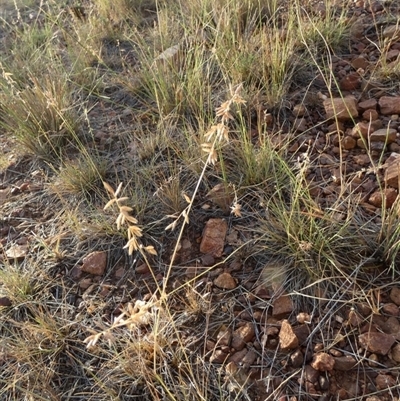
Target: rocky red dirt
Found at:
x=272, y=346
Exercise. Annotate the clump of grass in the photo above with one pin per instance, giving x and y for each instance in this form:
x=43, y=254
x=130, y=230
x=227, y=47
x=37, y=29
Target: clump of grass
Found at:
x=81, y=175
x=41, y=117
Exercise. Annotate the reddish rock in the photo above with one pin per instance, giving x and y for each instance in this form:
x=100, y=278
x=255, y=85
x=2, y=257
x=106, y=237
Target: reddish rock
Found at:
x=218, y=356
x=389, y=194
x=302, y=332
x=299, y=110
x=224, y=336
x=393, y=171
x=345, y=363
x=297, y=359
x=391, y=32
x=237, y=356
x=225, y=281
x=342, y=108
x=5, y=301
x=323, y=362
x=349, y=143
x=392, y=326
x=390, y=309
x=242, y=335
x=287, y=338
x=370, y=115
x=378, y=343
x=350, y=82
x=143, y=268
x=395, y=353
x=389, y=105
x=395, y=295
x=310, y=374
x=360, y=62
x=368, y=104
x=282, y=306
x=95, y=263
x=361, y=129
x=384, y=381
x=384, y=135
x=214, y=237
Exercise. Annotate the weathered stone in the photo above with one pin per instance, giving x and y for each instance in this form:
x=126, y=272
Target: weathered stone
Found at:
x=384, y=381
x=395, y=295
x=323, y=362
x=349, y=143
x=218, y=356
x=302, y=332
x=17, y=252
x=299, y=110
x=368, y=104
x=5, y=301
x=361, y=129
x=389, y=105
x=395, y=353
x=360, y=62
x=242, y=335
x=379, y=343
x=342, y=108
x=384, y=135
x=350, y=82
x=391, y=32
x=392, y=326
x=310, y=374
x=225, y=281
x=363, y=144
x=237, y=356
x=389, y=194
x=214, y=237
x=95, y=263
x=370, y=115
x=287, y=338
x=282, y=306
x=224, y=336
x=300, y=124
x=393, y=171
x=297, y=359
x=389, y=308
x=345, y=363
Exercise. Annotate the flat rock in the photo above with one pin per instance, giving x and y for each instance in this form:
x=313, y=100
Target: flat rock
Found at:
x=214, y=237
x=342, y=108
x=389, y=105
x=368, y=104
x=5, y=301
x=384, y=135
x=395, y=353
x=282, y=306
x=225, y=281
x=95, y=263
x=393, y=171
x=378, y=343
x=287, y=338
x=17, y=252
x=388, y=194
x=391, y=32
x=395, y=295
x=218, y=356
x=345, y=363
x=384, y=381
x=242, y=335
x=323, y=362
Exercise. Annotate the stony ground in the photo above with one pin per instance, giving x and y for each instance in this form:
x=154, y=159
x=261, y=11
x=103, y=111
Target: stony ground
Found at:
x=269, y=343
